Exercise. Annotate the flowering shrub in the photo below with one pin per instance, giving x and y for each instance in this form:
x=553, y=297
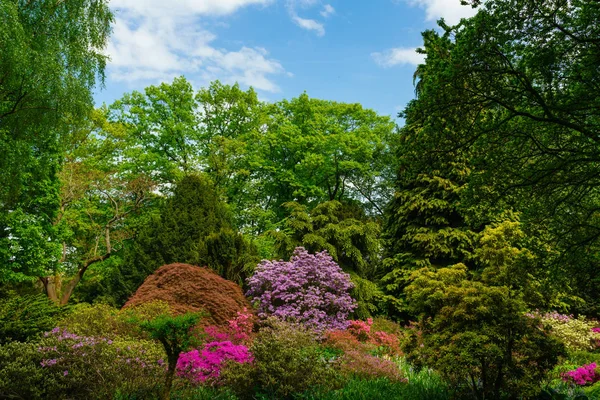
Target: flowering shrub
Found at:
x=361, y=329
x=386, y=343
x=575, y=333
x=584, y=375
x=65, y=365
x=199, y=367
x=311, y=289
x=238, y=330
x=365, y=354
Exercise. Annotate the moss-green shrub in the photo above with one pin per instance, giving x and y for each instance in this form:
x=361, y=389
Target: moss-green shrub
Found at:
x=106, y=321
x=477, y=335
x=93, y=320
x=25, y=317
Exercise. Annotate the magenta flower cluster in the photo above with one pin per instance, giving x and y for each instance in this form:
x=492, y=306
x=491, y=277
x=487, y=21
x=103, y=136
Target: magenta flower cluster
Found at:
x=583, y=375
x=311, y=289
x=238, y=331
x=201, y=366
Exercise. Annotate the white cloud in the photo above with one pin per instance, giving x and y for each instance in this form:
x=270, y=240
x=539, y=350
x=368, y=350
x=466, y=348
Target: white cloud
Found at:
x=306, y=23
x=154, y=40
x=327, y=11
x=398, y=56
x=161, y=8
x=451, y=10
x=309, y=24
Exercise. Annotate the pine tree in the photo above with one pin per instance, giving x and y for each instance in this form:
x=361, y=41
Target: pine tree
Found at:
x=425, y=225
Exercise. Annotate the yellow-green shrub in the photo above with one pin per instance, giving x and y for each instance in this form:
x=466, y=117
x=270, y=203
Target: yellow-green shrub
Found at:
x=575, y=333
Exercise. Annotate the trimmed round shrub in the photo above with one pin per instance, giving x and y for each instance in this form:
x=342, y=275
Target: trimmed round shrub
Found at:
x=310, y=289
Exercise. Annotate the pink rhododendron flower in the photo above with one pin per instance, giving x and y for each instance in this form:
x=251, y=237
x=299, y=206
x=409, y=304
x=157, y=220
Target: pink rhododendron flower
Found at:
x=201, y=366
x=584, y=375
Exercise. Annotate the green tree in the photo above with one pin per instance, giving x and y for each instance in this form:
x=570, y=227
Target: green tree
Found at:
x=527, y=71
x=164, y=126
x=100, y=203
x=425, y=225
x=315, y=151
x=50, y=59
x=477, y=335
x=193, y=227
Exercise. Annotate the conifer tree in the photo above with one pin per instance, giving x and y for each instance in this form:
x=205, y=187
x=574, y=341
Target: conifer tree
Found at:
x=425, y=225
x=179, y=234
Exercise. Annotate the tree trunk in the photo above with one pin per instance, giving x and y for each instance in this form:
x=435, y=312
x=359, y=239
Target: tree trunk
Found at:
x=68, y=290
x=50, y=287
x=172, y=364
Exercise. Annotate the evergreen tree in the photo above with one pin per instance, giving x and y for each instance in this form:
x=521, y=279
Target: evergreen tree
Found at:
x=179, y=233
x=425, y=225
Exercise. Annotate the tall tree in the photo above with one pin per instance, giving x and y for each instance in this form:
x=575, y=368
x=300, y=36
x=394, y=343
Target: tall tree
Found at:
x=425, y=225
x=529, y=71
x=51, y=56
x=193, y=227
x=316, y=151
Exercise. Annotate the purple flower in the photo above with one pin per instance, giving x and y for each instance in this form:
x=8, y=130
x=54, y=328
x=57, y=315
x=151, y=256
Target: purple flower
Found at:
x=311, y=289
x=48, y=363
x=65, y=373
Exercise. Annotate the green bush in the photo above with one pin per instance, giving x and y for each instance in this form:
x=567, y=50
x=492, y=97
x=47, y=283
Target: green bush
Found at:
x=25, y=317
x=93, y=320
x=106, y=321
x=287, y=361
x=65, y=365
x=477, y=336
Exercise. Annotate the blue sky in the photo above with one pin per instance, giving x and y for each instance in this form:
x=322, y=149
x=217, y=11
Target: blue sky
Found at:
x=342, y=50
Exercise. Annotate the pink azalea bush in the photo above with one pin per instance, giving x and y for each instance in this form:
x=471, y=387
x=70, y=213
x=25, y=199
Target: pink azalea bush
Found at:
x=205, y=365
x=238, y=330
x=362, y=331
x=310, y=288
x=584, y=375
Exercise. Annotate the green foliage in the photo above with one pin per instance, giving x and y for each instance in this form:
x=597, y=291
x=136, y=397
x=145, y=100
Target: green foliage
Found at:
x=23, y=318
x=516, y=85
x=83, y=368
x=287, y=360
x=51, y=55
x=317, y=151
x=477, y=336
x=425, y=225
x=179, y=234
x=231, y=255
x=175, y=333
x=422, y=384
x=93, y=320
